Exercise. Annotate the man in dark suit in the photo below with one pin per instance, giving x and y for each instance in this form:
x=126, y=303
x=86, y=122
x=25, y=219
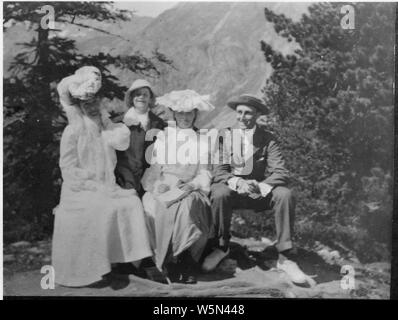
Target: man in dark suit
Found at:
x=142, y=122
x=252, y=175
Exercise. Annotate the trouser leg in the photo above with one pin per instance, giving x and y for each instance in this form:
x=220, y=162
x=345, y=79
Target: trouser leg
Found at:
x=281, y=201
x=221, y=205
x=283, y=205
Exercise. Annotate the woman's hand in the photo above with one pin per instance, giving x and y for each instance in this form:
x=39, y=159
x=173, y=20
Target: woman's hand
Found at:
x=162, y=188
x=187, y=187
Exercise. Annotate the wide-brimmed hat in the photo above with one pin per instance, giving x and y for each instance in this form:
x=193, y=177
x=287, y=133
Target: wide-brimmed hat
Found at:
x=137, y=84
x=249, y=100
x=83, y=85
x=185, y=101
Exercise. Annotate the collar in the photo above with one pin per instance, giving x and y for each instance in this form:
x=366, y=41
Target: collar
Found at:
x=131, y=118
x=248, y=132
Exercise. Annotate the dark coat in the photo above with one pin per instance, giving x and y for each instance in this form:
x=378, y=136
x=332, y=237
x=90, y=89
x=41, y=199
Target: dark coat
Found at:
x=268, y=164
x=131, y=163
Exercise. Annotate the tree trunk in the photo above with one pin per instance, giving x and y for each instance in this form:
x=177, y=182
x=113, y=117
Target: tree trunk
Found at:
x=42, y=114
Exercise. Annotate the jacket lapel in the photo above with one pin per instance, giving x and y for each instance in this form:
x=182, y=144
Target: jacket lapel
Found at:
x=258, y=140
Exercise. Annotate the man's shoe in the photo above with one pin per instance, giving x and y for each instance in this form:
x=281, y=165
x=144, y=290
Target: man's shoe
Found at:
x=295, y=274
x=213, y=259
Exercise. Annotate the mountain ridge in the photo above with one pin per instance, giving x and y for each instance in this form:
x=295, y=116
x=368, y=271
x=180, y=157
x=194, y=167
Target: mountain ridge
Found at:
x=215, y=47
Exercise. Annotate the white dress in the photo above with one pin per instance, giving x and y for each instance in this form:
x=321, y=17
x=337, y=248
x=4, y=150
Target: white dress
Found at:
x=178, y=221
x=97, y=222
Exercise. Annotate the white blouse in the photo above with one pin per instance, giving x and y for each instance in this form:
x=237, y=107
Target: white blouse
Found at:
x=87, y=154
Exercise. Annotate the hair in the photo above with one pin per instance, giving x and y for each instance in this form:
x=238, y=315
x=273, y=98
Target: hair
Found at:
x=130, y=95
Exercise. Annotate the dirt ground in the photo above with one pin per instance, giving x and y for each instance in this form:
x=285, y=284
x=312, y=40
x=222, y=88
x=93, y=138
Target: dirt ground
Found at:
x=249, y=271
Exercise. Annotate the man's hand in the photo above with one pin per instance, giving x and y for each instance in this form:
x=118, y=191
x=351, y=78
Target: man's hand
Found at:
x=246, y=187
x=255, y=188
x=265, y=188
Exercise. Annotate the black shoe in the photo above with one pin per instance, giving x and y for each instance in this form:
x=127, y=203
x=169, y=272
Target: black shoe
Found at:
x=154, y=274
x=187, y=278
x=128, y=268
x=183, y=271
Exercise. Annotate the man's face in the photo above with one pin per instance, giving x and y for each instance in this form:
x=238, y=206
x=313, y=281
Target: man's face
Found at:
x=246, y=116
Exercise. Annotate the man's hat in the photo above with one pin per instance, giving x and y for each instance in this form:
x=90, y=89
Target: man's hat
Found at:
x=249, y=100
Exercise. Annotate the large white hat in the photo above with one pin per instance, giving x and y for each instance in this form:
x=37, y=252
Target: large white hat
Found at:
x=82, y=85
x=185, y=101
x=86, y=83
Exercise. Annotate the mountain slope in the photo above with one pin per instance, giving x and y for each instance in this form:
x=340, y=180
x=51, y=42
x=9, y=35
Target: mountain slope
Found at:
x=216, y=50
x=215, y=47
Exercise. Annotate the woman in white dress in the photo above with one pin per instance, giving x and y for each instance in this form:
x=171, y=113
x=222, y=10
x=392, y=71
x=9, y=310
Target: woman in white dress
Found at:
x=97, y=223
x=176, y=203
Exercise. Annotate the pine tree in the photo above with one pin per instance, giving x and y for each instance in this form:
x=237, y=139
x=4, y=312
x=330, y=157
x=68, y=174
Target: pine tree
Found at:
x=333, y=102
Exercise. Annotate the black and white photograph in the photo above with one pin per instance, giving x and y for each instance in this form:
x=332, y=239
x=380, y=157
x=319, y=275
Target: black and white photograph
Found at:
x=198, y=150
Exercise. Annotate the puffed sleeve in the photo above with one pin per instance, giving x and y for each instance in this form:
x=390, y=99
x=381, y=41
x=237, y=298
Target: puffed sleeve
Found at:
x=202, y=180
x=117, y=135
x=72, y=173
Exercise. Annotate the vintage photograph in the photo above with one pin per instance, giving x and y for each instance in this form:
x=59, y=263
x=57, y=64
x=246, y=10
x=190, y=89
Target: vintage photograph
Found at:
x=198, y=149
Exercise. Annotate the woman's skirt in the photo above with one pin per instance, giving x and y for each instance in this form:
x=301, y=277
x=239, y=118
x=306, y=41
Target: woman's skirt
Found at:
x=92, y=230
x=185, y=225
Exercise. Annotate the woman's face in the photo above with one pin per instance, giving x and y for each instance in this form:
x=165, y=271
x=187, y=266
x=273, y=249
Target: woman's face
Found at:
x=141, y=99
x=90, y=107
x=185, y=120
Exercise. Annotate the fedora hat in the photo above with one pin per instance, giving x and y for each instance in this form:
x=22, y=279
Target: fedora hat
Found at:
x=249, y=100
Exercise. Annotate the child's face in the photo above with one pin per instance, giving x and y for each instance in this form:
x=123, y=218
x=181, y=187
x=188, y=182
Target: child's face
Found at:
x=141, y=99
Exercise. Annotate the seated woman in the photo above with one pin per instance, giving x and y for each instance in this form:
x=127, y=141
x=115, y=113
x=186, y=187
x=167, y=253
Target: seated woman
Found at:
x=97, y=223
x=176, y=203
